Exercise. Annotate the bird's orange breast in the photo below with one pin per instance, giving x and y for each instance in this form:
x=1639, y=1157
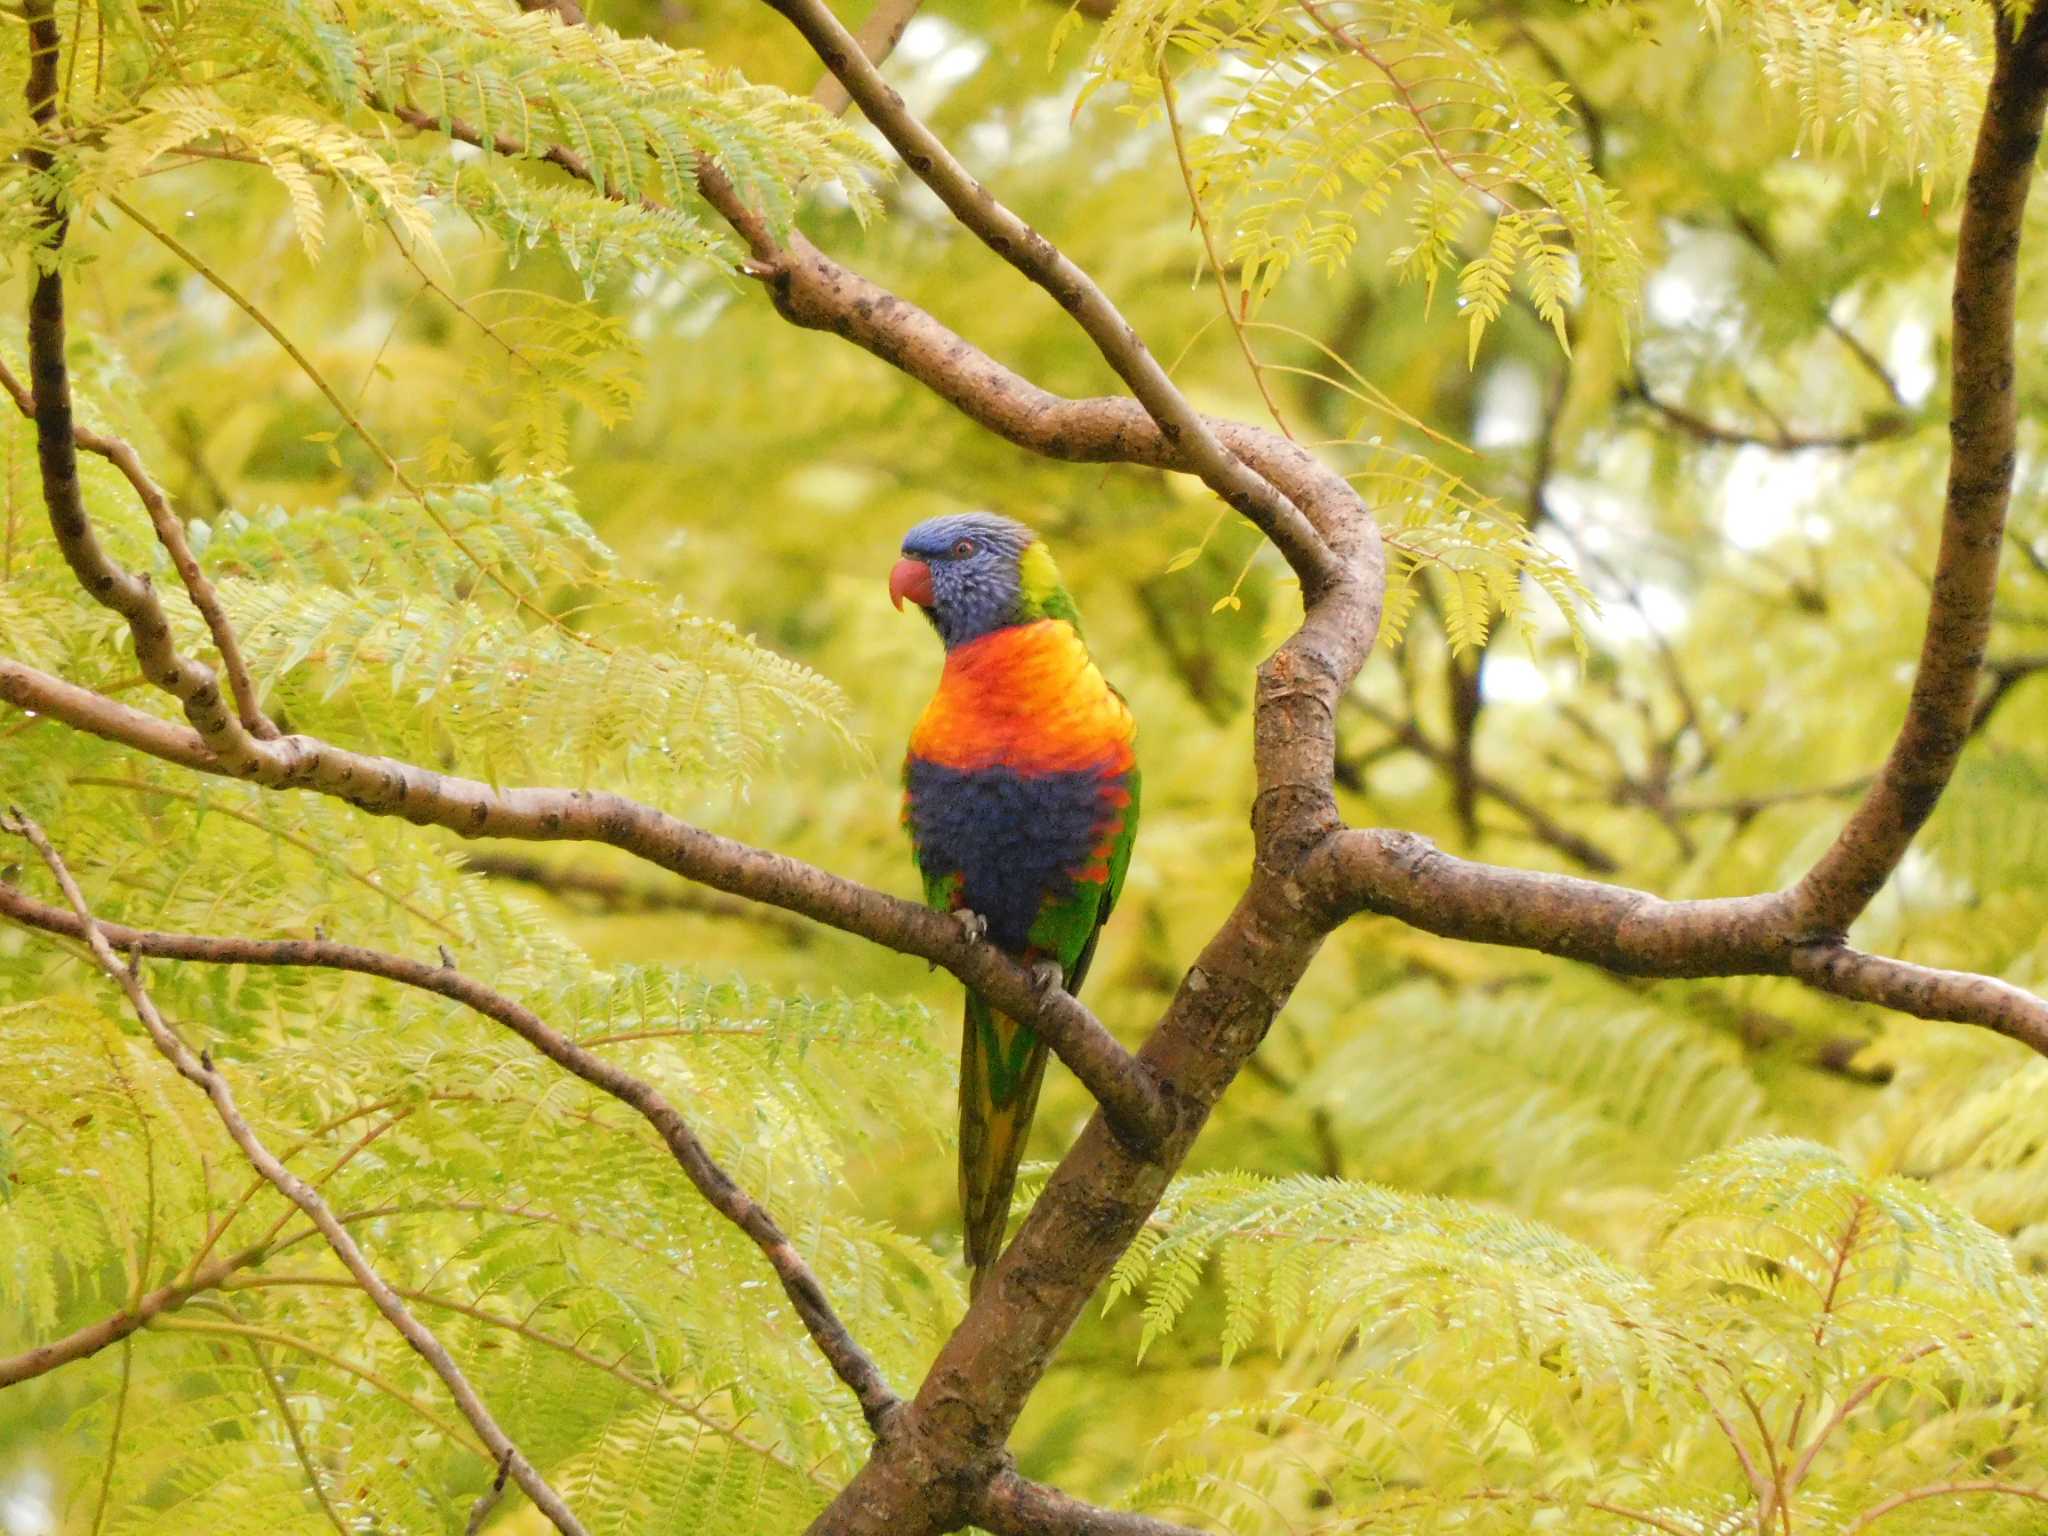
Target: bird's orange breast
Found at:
x=1027, y=698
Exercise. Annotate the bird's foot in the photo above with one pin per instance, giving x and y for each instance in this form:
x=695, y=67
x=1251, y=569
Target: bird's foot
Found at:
x=972, y=924
x=1047, y=976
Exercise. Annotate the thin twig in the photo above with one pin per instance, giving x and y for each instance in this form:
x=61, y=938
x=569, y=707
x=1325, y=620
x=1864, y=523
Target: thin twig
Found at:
x=1876, y=1512
x=487, y=1501
x=1201, y=216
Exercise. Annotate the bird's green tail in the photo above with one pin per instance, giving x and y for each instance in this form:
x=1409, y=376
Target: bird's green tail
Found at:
x=1002, y=1063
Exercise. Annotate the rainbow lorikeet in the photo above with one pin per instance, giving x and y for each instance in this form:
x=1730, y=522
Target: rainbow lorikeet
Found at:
x=1021, y=798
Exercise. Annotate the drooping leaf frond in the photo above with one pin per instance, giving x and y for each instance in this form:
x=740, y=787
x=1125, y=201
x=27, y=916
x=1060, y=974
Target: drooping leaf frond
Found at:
x=1316, y=113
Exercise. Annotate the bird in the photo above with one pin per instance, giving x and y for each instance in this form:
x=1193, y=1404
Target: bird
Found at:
x=1020, y=795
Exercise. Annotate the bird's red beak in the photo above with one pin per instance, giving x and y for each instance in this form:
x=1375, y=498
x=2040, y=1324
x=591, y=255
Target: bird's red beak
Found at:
x=911, y=579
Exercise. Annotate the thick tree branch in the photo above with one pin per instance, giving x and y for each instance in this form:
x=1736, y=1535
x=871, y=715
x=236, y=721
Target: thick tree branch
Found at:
x=1983, y=424
x=1206, y=454
x=1015, y=1506
x=1398, y=874
x=1925, y=992
x=848, y=1360
x=200, y=1071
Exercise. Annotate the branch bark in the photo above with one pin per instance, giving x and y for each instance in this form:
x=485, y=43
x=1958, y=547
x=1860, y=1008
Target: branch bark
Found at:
x=130, y=596
x=1983, y=428
x=1015, y=1506
x=170, y=533
x=1401, y=875
x=200, y=1071
x=877, y=39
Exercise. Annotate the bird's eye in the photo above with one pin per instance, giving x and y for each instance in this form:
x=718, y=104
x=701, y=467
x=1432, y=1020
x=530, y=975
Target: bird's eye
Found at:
x=963, y=549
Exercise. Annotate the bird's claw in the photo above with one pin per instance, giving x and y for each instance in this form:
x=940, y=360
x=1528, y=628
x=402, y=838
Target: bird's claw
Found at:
x=972, y=924
x=1046, y=977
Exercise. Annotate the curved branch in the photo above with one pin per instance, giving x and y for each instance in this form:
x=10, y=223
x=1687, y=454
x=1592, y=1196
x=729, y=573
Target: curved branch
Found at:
x=201, y=1073
x=132, y=597
x=171, y=534
x=848, y=1360
x=1204, y=452
x=1402, y=875
x=1924, y=991
x=116, y=1326
x=1876, y=1512
x=387, y=787
x=1983, y=429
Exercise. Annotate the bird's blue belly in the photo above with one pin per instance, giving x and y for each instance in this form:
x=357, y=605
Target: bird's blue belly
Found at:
x=1016, y=842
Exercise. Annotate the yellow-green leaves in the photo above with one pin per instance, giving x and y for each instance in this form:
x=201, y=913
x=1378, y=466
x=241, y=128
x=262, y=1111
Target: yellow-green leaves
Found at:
x=1441, y=1365
x=1897, y=86
x=1315, y=116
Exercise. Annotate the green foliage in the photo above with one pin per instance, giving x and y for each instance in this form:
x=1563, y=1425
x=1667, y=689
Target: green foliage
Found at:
x=1475, y=1222
x=1329, y=111
x=1899, y=85
x=539, y=1227
x=1478, y=1370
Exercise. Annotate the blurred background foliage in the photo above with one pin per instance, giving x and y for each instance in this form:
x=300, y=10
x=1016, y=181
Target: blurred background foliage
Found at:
x=1728, y=482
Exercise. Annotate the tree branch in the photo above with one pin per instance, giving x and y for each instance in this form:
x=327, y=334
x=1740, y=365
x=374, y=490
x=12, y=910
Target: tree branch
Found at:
x=1983, y=424
x=1015, y=1506
x=385, y=786
x=812, y=290
x=200, y=1071
x=1398, y=874
x=1544, y=827
x=130, y=596
x=1204, y=452
x=94, y=1337
x=1883, y=1507
x=876, y=40
x=1780, y=439
x=170, y=533
x=1925, y=992
x=848, y=1360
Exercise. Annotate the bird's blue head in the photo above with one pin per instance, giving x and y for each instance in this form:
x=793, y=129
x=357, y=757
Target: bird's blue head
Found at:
x=974, y=573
